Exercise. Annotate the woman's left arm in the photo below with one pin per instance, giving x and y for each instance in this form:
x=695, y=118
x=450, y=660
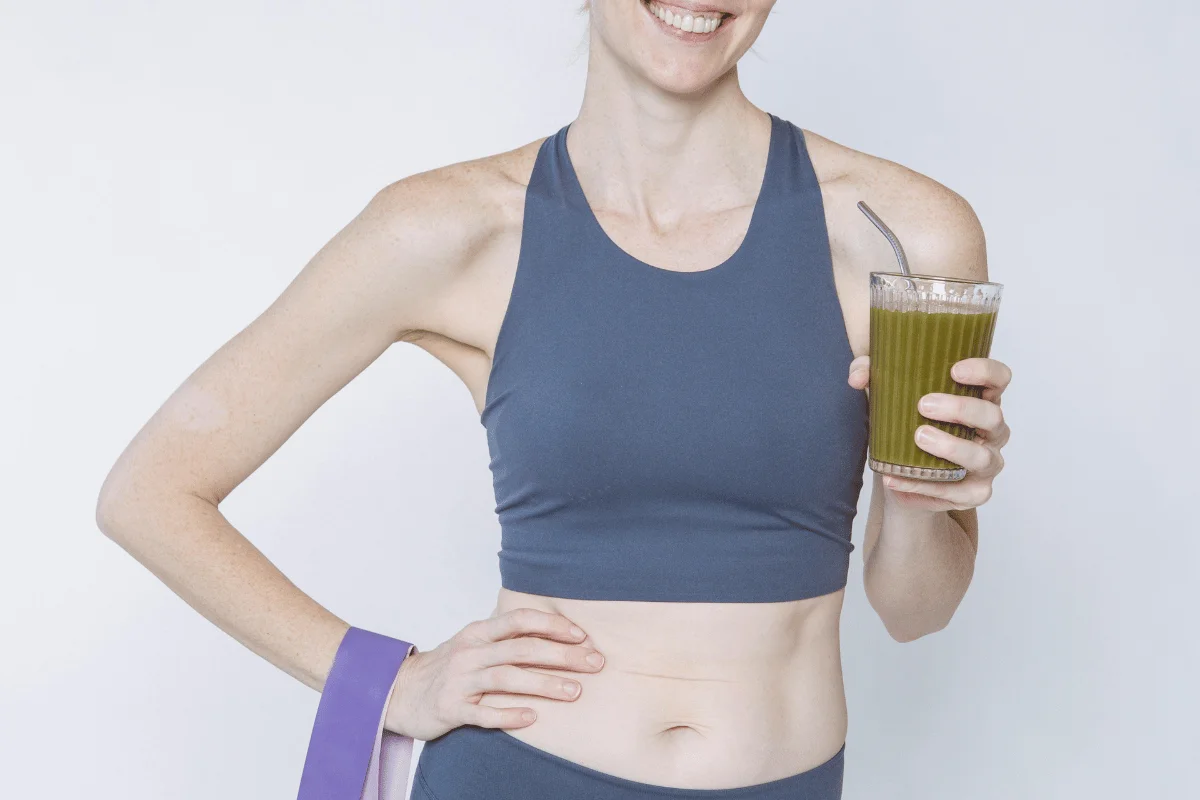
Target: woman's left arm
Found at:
x=921, y=536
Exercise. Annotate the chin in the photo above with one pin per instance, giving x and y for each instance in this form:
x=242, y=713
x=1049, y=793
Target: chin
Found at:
x=683, y=47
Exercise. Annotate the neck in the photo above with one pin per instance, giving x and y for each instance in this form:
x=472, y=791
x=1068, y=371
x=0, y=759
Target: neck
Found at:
x=639, y=148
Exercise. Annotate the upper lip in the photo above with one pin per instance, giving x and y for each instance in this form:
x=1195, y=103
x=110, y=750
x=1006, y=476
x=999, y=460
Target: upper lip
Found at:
x=698, y=8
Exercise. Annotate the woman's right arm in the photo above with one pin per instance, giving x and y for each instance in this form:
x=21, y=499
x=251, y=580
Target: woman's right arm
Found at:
x=389, y=272
x=375, y=281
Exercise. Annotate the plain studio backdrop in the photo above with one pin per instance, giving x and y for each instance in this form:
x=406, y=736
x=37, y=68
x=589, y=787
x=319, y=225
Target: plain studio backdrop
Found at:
x=167, y=168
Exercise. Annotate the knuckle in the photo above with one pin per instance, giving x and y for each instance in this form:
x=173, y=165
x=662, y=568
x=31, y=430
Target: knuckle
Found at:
x=562, y=655
x=509, y=677
x=489, y=679
x=476, y=629
x=523, y=650
x=524, y=619
x=499, y=626
x=533, y=619
x=496, y=717
x=491, y=717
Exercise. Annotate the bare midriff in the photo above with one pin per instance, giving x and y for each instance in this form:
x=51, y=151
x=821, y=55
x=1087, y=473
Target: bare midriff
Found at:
x=694, y=695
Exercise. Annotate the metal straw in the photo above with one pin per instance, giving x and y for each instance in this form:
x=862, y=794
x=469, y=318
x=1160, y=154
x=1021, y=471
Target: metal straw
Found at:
x=891, y=237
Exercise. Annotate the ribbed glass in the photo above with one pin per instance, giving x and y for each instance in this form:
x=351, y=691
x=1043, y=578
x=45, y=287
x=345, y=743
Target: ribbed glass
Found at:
x=920, y=326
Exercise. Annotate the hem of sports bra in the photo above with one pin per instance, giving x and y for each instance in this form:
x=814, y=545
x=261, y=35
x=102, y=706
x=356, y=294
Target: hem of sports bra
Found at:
x=530, y=580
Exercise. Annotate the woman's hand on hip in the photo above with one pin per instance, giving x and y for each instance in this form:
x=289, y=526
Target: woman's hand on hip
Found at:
x=440, y=689
x=980, y=455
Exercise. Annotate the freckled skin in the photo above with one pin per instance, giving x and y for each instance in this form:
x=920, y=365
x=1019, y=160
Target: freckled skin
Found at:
x=666, y=146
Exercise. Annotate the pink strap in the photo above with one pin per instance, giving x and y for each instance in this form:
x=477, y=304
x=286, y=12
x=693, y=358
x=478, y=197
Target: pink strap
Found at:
x=387, y=775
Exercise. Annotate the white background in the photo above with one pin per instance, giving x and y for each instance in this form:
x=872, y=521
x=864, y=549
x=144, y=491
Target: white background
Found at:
x=167, y=168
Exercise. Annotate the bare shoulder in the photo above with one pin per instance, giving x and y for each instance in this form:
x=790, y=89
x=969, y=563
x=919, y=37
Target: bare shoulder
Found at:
x=388, y=275
x=438, y=225
x=939, y=230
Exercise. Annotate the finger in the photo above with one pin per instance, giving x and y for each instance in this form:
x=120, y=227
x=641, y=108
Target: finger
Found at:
x=916, y=500
x=860, y=371
x=492, y=717
x=974, y=412
x=533, y=651
x=982, y=372
x=1000, y=436
x=515, y=680
x=962, y=494
x=974, y=456
x=525, y=622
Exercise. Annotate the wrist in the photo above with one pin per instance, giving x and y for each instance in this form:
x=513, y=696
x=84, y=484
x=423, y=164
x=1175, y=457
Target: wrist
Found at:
x=896, y=510
x=395, y=712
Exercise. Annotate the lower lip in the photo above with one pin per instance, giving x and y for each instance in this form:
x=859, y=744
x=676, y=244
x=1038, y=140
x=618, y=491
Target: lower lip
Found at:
x=681, y=35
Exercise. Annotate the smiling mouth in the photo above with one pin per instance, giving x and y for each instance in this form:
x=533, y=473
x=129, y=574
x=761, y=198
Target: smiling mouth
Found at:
x=687, y=24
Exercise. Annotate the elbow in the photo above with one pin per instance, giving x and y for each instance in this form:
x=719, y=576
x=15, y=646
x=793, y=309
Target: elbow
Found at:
x=108, y=513
x=909, y=631
x=113, y=503
x=906, y=623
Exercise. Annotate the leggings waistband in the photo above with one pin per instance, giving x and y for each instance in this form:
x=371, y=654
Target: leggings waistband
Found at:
x=471, y=762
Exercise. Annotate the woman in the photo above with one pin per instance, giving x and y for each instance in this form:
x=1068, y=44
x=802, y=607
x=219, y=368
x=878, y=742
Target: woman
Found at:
x=661, y=313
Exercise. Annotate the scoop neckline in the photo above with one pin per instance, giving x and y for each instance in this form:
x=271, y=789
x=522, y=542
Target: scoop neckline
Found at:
x=723, y=266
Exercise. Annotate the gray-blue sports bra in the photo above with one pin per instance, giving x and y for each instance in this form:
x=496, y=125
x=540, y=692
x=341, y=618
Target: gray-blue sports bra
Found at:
x=675, y=436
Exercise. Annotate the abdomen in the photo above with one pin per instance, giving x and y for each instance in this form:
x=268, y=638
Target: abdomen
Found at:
x=698, y=695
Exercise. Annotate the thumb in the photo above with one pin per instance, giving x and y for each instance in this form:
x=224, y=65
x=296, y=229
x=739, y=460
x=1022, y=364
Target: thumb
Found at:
x=860, y=370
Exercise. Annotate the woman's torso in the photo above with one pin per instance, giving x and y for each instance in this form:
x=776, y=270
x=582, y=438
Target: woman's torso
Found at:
x=691, y=694
x=704, y=695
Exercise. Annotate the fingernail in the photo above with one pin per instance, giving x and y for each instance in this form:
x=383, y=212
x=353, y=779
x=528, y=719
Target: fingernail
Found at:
x=528, y=716
x=595, y=659
x=577, y=631
x=928, y=405
x=957, y=372
x=571, y=688
x=924, y=434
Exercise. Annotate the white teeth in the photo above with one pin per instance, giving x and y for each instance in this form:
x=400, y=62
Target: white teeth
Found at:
x=686, y=22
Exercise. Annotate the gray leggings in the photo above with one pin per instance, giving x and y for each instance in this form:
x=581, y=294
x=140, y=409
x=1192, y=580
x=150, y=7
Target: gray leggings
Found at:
x=473, y=763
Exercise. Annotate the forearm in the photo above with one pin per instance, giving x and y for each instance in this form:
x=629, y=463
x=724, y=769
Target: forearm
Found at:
x=918, y=569
x=190, y=546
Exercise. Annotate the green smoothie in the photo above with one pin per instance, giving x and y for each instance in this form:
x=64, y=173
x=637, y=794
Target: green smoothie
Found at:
x=912, y=351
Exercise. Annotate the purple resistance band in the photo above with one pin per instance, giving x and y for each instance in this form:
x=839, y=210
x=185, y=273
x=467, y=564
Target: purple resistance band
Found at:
x=350, y=755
